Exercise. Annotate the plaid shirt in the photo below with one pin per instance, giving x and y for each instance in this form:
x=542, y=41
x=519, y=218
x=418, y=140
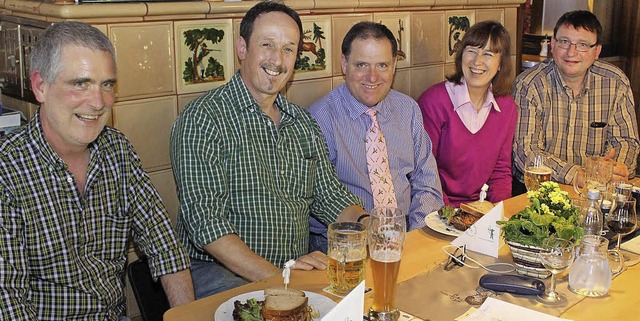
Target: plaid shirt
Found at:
x=568, y=129
x=62, y=255
x=237, y=172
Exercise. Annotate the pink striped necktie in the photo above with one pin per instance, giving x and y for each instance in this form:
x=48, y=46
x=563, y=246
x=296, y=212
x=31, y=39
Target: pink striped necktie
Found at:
x=378, y=164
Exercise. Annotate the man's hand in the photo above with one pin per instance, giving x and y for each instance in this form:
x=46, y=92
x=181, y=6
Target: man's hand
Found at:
x=313, y=260
x=620, y=170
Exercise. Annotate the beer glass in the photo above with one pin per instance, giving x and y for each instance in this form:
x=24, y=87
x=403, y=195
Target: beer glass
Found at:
x=387, y=230
x=596, y=173
x=347, y=251
x=536, y=172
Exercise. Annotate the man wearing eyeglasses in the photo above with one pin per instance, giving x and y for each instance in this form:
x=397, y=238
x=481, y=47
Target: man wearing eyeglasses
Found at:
x=573, y=105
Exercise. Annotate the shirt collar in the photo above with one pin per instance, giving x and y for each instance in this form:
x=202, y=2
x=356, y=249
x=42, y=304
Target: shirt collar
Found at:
x=460, y=95
x=48, y=155
x=586, y=83
x=356, y=108
x=245, y=101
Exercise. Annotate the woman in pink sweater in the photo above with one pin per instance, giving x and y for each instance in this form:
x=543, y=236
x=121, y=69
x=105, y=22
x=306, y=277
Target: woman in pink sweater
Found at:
x=471, y=118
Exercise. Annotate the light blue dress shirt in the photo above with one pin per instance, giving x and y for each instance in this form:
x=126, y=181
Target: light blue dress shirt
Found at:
x=413, y=168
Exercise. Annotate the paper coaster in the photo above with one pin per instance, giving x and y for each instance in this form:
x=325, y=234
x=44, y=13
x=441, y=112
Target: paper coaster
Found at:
x=404, y=316
x=328, y=290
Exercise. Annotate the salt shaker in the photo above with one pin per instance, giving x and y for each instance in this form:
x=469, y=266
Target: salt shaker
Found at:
x=544, y=47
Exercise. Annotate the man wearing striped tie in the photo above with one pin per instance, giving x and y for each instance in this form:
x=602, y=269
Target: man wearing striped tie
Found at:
x=375, y=134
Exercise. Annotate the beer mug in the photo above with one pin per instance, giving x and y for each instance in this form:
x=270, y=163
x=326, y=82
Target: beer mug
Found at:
x=596, y=173
x=347, y=251
x=387, y=230
x=536, y=172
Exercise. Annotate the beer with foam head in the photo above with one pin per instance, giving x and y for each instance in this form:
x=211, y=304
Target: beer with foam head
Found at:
x=347, y=251
x=534, y=176
x=385, y=265
x=387, y=230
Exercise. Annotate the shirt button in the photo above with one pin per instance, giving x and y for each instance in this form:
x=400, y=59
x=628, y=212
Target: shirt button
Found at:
x=281, y=172
x=69, y=179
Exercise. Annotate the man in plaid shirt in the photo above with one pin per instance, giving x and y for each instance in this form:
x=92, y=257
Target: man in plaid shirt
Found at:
x=575, y=106
x=73, y=192
x=252, y=167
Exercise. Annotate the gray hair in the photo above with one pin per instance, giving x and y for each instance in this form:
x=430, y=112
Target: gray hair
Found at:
x=47, y=54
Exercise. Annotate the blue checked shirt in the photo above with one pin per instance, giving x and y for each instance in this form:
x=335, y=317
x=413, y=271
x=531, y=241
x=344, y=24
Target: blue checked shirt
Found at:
x=62, y=254
x=413, y=167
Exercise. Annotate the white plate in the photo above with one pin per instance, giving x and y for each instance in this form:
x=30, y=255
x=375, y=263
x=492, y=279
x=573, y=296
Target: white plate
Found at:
x=438, y=224
x=319, y=302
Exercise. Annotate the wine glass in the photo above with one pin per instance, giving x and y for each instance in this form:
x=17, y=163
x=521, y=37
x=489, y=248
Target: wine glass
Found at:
x=535, y=171
x=556, y=256
x=623, y=221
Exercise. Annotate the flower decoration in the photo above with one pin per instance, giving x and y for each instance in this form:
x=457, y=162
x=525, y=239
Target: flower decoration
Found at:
x=549, y=215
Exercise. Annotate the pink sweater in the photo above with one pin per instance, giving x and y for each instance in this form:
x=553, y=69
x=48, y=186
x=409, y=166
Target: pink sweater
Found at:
x=466, y=161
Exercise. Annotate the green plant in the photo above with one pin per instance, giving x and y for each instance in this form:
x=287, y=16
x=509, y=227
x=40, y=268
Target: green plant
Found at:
x=549, y=215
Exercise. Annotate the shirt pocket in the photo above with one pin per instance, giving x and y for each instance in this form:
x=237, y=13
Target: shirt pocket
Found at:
x=46, y=241
x=597, y=132
x=303, y=177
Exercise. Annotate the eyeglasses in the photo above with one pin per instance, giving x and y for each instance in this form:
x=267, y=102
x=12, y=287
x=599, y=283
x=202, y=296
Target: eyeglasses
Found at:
x=580, y=46
x=456, y=258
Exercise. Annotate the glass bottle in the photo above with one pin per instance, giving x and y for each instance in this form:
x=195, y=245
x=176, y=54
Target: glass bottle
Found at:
x=592, y=218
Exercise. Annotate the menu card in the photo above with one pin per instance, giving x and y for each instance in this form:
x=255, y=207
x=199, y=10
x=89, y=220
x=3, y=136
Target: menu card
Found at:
x=350, y=308
x=493, y=309
x=484, y=236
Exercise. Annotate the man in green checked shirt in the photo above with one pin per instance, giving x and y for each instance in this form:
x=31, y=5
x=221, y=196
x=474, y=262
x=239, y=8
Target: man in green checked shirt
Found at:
x=250, y=167
x=73, y=192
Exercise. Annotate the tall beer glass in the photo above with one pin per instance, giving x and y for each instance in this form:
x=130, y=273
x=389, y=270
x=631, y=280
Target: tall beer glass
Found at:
x=387, y=230
x=347, y=251
x=536, y=171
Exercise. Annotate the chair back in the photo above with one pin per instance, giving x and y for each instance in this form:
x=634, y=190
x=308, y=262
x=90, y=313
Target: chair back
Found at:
x=149, y=294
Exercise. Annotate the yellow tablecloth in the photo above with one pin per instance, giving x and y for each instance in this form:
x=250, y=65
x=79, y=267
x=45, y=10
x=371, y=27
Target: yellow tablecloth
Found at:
x=423, y=253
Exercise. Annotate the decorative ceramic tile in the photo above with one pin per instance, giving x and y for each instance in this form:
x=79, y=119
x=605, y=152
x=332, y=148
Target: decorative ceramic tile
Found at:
x=511, y=23
x=490, y=14
x=425, y=77
x=428, y=34
x=399, y=24
x=163, y=182
x=341, y=25
x=306, y=92
x=204, y=51
x=147, y=124
x=145, y=59
x=337, y=81
x=236, y=35
x=402, y=81
x=458, y=22
x=314, y=59
x=183, y=100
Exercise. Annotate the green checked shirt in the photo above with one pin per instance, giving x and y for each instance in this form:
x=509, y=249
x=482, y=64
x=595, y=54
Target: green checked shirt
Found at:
x=602, y=116
x=237, y=173
x=62, y=255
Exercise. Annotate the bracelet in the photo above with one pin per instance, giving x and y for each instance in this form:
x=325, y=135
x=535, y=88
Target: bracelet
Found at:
x=361, y=217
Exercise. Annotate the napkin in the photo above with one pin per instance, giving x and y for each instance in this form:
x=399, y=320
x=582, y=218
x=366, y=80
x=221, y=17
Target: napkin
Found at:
x=484, y=236
x=350, y=308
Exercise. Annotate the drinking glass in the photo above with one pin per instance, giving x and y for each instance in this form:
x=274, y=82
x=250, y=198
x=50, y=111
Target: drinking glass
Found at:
x=556, y=256
x=347, y=251
x=387, y=230
x=623, y=221
x=596, y=174
x=535, y=171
